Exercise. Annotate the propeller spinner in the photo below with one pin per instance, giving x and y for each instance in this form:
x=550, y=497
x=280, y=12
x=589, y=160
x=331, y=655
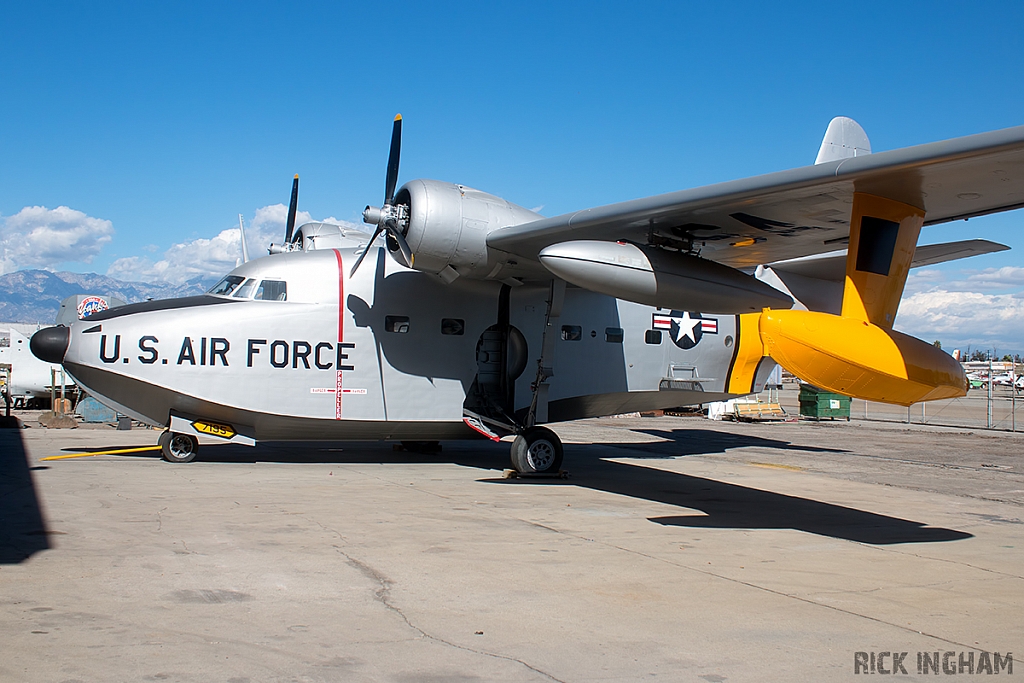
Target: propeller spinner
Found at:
x=388, y=217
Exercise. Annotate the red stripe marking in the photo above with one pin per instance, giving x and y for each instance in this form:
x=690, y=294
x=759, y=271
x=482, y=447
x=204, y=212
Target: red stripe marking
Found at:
x=341, y=297
x=341, y=332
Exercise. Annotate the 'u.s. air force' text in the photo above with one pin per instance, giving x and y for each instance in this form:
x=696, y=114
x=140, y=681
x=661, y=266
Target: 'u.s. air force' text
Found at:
x=215, y=351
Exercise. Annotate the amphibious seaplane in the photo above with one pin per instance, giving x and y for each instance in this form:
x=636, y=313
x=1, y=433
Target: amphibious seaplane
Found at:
x=477, y=318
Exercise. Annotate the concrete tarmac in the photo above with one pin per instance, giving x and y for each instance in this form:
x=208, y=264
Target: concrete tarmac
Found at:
x=679, y=550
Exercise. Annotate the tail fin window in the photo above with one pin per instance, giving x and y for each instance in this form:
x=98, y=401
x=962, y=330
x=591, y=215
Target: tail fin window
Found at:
x=877, y=244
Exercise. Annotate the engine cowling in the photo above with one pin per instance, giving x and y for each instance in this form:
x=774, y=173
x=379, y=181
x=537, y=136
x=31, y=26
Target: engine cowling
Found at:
x=446, y=226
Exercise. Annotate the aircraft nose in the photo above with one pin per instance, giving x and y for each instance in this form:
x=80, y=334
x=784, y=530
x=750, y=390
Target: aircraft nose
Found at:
x=50, y=343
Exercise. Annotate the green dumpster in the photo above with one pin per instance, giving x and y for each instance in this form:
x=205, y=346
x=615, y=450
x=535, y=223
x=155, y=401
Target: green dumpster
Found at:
x=819, y=404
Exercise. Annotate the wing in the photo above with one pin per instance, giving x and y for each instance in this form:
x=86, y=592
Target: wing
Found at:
x=800, y=212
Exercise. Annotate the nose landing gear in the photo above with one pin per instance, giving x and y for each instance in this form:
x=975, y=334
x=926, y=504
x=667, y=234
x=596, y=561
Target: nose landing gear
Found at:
x=178, y=448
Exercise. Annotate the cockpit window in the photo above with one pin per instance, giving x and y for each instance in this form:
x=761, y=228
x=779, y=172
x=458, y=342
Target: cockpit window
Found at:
x=227, y=285
x=272, y=290
x=245, y=291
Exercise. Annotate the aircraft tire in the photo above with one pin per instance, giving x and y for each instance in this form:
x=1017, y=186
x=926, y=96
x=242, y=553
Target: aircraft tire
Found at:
x=538, y=450
x=178, y=448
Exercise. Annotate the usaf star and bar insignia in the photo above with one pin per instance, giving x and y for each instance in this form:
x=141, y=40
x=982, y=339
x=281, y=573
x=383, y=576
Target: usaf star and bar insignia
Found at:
x=685, y=328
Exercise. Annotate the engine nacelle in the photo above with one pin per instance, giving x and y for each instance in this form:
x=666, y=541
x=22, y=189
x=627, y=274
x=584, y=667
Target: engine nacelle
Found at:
x=447, y=228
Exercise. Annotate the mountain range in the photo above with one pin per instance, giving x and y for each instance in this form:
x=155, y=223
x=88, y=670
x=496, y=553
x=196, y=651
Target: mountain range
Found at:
x=34, y=296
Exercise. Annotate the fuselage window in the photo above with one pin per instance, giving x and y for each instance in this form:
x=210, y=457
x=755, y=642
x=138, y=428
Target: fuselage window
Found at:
x=453, y=326
x=227, y=285
x=245, y=291
x=613, y=335
x=272, y=290
x=572, y=332
x=398, y=324
x=652, y=336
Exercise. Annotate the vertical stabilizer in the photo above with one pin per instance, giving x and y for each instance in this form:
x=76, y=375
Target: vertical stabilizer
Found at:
x=844, y=139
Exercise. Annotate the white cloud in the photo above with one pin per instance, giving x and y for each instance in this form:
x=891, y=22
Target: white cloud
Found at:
x=960, y=318
x=212, y=257
x=268, y=226
x=922, y=280
x=37, y=237
x=1007, y=276
x=131, y=269
x=965, y=280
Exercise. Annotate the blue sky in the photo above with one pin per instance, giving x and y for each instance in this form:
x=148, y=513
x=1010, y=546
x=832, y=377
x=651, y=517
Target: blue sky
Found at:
x=162, y=123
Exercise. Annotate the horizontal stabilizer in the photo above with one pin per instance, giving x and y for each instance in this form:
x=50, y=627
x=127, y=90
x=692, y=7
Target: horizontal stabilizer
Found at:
x=832, y=265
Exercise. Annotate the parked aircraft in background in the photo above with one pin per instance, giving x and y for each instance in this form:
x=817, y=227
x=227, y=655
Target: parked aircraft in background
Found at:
x=489, y=320
x=31, y=378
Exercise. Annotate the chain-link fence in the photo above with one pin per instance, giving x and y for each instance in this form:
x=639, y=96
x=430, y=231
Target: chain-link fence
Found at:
x=1002, y=409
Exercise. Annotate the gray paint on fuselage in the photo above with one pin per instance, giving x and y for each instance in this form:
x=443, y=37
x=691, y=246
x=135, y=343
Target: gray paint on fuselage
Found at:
x=425, y=373
x=592, y=366
x=148, y=399
x=277, y=361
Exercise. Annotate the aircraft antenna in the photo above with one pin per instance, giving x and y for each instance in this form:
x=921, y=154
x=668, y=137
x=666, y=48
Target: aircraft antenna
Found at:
x=245, y=247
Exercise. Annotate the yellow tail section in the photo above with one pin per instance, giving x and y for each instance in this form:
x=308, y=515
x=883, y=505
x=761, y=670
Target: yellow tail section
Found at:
x=856, y=353
x=749, y=354
x=883, y=238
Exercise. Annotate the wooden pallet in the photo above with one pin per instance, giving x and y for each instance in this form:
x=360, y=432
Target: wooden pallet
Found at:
x=759, y=412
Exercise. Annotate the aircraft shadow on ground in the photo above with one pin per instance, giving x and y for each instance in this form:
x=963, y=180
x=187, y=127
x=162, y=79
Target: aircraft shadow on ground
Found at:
x=731, y=506
x=23, y=530
x=718, y=505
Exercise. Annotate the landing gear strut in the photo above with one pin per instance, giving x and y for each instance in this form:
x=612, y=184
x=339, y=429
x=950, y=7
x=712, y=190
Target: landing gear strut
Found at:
x=178, y=448
x=537, y=450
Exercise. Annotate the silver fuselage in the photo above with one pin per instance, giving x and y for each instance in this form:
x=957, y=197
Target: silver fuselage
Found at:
x=365, y=357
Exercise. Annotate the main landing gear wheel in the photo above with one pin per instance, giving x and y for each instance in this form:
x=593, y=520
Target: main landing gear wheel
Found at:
x=538, y=450
x=177, y=447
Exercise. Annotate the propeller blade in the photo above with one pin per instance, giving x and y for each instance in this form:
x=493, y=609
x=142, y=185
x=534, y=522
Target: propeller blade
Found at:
x=392, y=227
x=396, y=152
x=376, y=234
x=292, y=206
